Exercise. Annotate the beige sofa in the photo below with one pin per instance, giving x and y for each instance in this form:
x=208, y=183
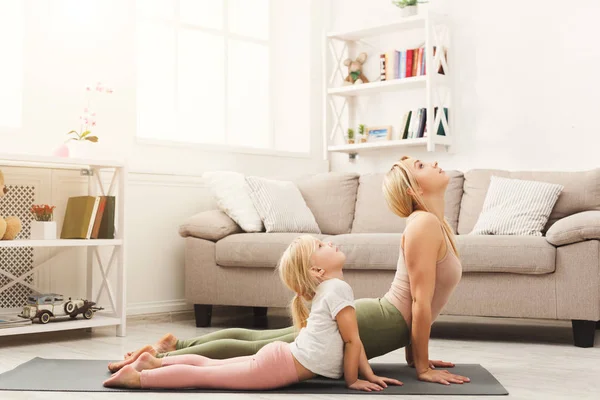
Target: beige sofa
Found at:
x=556, y=276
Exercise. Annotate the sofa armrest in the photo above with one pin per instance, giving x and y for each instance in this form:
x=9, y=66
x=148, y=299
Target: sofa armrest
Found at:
x=211, y=225
x=575, y=228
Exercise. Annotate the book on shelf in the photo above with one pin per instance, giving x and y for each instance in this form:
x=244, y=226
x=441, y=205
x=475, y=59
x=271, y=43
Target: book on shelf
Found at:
x=89, y=217
x=414, y=123
x=407, y=63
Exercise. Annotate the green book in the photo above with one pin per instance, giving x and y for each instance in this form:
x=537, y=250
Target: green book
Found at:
x=79, y=217
x=107, y=224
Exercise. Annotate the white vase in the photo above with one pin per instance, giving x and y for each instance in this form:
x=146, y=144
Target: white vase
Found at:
x=43, y=230
x=80, y=149
x=408, y=11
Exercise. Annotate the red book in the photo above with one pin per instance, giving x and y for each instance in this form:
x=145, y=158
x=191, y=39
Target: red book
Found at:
x=98, y=219
x=419, y=61
x=409, y=62
x=415, y=61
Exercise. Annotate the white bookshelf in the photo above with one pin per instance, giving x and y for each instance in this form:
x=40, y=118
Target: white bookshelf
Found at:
x=114, y=313
x=435, y=31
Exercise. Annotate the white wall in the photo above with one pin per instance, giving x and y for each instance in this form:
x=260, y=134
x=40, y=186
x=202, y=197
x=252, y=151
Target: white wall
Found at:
x=525, y=84
x=70, y=43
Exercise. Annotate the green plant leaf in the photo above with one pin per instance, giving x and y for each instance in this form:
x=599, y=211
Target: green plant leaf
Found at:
x=92, y=138
x=75, y=132
x=84, y=134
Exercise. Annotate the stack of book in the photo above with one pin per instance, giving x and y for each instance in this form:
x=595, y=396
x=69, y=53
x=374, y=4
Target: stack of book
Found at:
x=414, y=123
x=89, y=217
x=404, y=64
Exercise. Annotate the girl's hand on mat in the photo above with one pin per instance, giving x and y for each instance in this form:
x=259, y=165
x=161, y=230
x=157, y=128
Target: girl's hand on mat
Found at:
x=365, y=386
x=442, y=376
x=383, y=381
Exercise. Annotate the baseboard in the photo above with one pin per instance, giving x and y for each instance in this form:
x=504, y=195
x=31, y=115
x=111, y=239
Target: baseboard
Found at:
x=157, y=307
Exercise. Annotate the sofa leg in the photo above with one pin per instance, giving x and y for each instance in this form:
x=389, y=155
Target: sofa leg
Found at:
x=203, y=313
x=583, y=332
x=260, y=317
x=260, y=311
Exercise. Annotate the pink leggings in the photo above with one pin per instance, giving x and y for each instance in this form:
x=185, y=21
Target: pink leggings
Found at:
x=271, y=367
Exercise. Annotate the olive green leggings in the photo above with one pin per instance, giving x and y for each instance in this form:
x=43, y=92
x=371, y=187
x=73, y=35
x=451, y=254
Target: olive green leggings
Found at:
x=381, y=328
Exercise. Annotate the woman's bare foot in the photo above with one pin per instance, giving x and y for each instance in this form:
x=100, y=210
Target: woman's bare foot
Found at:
x=146, y=361
x=165, y=344
x=127, y=377
x=115, y=366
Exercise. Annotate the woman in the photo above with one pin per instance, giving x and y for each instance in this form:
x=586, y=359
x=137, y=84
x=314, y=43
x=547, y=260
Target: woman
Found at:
x=427, y=273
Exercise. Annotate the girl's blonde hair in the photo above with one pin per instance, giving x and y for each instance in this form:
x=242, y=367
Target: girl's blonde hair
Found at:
x=294, y=271
x=396, y=183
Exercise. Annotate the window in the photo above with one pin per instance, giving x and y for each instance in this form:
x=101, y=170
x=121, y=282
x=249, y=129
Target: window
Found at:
x=203, y=71
x=11, y=66
x=225, y=72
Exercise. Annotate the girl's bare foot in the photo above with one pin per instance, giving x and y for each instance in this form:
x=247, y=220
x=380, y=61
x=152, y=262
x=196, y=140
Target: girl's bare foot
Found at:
x=127, y=377
x=165, y=344
x=146, y=361
x=115, y=366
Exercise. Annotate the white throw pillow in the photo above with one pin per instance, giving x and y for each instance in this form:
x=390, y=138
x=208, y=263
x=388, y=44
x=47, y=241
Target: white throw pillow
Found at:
x=281, y=206
x=516, y=207
x=232, y=195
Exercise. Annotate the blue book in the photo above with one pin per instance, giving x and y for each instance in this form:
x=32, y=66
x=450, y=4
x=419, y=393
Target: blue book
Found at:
x=403, y=64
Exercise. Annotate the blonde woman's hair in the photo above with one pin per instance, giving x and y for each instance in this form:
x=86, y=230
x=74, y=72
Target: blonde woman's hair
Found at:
x=294, y=271
x=396, y=183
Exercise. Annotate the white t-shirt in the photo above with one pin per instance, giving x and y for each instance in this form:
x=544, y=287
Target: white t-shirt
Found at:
x=319, y=347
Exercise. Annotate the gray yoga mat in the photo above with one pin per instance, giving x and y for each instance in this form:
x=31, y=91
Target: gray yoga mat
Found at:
x=57, y=375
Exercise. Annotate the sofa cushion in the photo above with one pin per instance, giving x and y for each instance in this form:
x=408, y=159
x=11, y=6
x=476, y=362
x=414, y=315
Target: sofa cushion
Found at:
x=372, y=214
x=377, y=251
x=581, y=192
x=210, y=225
x=516, y=207
x=254, y=249
x=531, y=255
x=331, y=197
x=281, y=206
x=363, y=250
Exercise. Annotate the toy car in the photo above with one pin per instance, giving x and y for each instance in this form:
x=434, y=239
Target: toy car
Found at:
x=49, y=305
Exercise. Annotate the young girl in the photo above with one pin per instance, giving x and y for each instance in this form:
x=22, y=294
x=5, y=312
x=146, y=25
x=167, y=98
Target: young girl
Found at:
x=328, y=343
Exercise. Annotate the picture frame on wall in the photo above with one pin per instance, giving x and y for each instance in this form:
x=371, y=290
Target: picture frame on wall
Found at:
x=379, y=133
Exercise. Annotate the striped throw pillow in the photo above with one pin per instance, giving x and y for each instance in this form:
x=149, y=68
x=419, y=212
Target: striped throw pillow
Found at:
x=281, y=206
x=516, y=207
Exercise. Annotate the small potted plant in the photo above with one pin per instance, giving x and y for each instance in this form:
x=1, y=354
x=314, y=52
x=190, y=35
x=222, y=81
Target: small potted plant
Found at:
x=43, y=227
x=79, y=144
x=361, y=133
x=407, y=7
x=350, y=136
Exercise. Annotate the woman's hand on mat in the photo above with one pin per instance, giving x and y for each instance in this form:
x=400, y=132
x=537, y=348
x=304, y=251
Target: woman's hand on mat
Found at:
x=442, y=376
x=433, y=364
x=365, y=386
x=383, y=381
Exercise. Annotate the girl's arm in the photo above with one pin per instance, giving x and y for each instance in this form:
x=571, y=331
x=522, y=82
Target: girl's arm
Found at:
x=355, y=357
x=348, y=326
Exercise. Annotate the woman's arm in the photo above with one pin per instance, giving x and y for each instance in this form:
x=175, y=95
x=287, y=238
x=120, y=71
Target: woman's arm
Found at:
x=422, y=241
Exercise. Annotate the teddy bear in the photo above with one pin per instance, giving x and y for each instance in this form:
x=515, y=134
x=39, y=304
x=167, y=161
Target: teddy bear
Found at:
x=355, y=75
x=9, y=226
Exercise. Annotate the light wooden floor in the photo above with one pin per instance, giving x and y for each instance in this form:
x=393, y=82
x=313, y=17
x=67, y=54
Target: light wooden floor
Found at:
x=533, y=360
